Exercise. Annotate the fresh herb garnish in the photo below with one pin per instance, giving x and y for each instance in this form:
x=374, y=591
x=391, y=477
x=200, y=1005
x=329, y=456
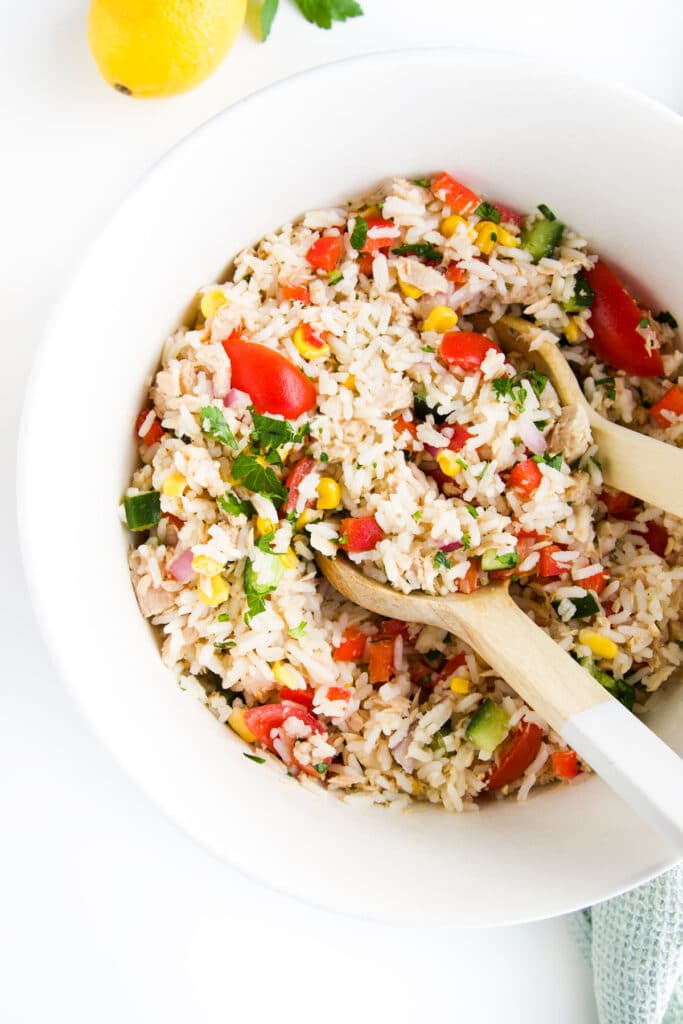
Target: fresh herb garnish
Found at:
x=319, y=12
x=254, y=757
x=428, y=348
x=214, y=424
x=417, y=516
x=472, y=511
x=223, y=617
x=335, y=275
x=583, y=295
x=441, y=560
x=223, y=645
x=321, y=768
x=513, y=388
x=547, y=212
x=608, y=383
x=263, y=480
x=270, y=434
x=667, y=318
x=422, y=182
x=554, y=461
x=423, y=250
x=466, y=542
x=234, y=507
x=298, y=632
x=324, y=457
x=643, y=323
x=359, y=233
x=462, y=463
x=265, y=542
x=488, y=212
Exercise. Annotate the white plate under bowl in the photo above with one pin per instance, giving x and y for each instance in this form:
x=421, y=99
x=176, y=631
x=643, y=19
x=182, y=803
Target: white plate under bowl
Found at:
x=609, y=162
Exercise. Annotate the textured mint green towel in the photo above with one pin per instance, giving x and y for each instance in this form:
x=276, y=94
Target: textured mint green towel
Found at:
x=634, y=945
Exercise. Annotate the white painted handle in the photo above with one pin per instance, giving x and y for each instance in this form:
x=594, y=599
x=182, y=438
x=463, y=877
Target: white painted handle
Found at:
x=631, y=759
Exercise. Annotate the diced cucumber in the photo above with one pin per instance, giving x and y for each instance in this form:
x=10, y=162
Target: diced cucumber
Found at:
x=584, y=606
x=488, y=727
x=541, y=237
x=142, y=510
x=422, y=409
x=492, y=560
x=624, y=692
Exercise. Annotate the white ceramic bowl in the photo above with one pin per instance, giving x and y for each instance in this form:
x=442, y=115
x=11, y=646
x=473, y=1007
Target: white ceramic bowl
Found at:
x=609, y=162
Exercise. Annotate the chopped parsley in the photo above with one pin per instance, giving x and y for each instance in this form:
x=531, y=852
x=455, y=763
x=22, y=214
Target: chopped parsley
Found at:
x=488, y=212
x=441, y=560
x=213, y=423
x=263, y=480
x=265, y=543
x=423, y=182
x=428, y=348
x=417, y=516
x=335, y=276
x=643, y=323
x=513, y=388
x=234, y=507
x=608, y=383
x=423, y=251
x=472, y=511
x=223, y=617
x=297, y=632
x=223, y=645
x=554, y=461
x=324, y=457
x=667, y=318
x=547, y=212
x=321, y=768
x=466, y=542
x=359, y=233
x=319, y=12
x=254, y=757
x=269, y=435
x=583, y=295
x=462, y=463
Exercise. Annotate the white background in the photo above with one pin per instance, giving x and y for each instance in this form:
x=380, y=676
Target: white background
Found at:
x=107, y=912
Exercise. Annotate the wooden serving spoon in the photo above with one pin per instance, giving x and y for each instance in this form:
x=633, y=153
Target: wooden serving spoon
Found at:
x=640, y=465
x=642, y=769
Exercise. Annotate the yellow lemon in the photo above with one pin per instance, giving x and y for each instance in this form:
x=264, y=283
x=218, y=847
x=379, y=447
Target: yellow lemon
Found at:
x=161, y=47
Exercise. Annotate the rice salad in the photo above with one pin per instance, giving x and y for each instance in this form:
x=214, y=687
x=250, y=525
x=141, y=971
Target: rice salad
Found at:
x=344, y=391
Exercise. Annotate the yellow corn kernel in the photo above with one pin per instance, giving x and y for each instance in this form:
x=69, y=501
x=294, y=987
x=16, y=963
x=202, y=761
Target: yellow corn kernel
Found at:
x=600, y=645
x=212, y=590
x=264, y=526
x=206, y=566
x=309, y=515
x=287, y=675
x=329, y=493
x=506, y=238
x=350, y=382
x=370, y=211
x=449, y=225
x=238, y=725
x=440, y=319
x=409, y=290
x=289, y=559
x=174, y=485
x=572, y=331
x=211, y=302
x=306, y=349
x=447, y=462
x=487, y=236
x=459, y=684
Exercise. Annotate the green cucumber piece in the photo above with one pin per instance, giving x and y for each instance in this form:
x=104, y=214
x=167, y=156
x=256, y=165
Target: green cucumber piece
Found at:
x=624, y=692
x=584, y=606
x=541, y=237
x=142, y=510
x=492, y=560
x=489, y=726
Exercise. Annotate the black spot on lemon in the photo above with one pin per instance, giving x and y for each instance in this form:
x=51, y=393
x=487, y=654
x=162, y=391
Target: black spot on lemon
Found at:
x=122, y=88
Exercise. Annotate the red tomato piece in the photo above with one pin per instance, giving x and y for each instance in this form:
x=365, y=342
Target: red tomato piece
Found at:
x=466, y=350
x=263, y=720
x=597, y=582
x=470, y=581
x=338, y=693
x=455, y=274
x=324, y=254
x=296, y=293
x=273, y=383
x=620, y=505
x=421, y=673
x=362, y=534
x=460, y=437
x=154, y=433
x=382, y=241
x=393, y=627
x=657, y=538
x=352, y=646
x=547, y=566
x=451, y=667
x=365, y=264
x=408, y=425
x=517, y=756
x=564, y=764
x=459, y=197
x=508, y=214
x=671, y=402
x=615, y=317
x=303, y=697
x=174, y=520
x=294, y=478
x=381, y=665
x=525, y=478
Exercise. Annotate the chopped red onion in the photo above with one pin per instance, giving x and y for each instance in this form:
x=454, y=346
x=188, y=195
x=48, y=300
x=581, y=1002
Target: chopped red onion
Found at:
x=432, y=450
x=181, y=567
x=531, y=435
x=236, y=399
x=451, y=546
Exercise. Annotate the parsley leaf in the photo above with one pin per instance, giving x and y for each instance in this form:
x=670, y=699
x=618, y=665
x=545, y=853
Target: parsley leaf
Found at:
x=213, y=423
x=441, y=560
x=417, y=516
x=643, y=323
x=249, y=472
x=264, y=543
x=466, y=542
x=323, y=12
x=423, y=251
x=234, y=507
x=224, y=645
x=422, y=182
x=583, y=295
x=487, y=211
x=321, y=768
x=359, y=233
x=667, y=318
x=554, y=461
x=335, y=275
x=298, y=632
x=428, y=348
x=268, y=12
x=472, y=511
x=537, y=380
x=270, y=434
x=254, y=757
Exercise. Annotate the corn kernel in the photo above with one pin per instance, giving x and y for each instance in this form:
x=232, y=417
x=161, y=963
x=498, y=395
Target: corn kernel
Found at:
x=309, y=515
x=447, y=462
x=459, y=684
x=572, y=331
x=449, y=225
x=307, y=347
x=287, y=675
x=507, y=238
x=289, y=559
x=206, y=566
x=440, y=319
x=350, y=382
x=264, y=526
x=174, y=485
x=212, y=590
x=409, y=290
x=238, y=725
x=370, y=211
x=601, y=646
x=487, y=236
x=329, y=493
x=211, y=302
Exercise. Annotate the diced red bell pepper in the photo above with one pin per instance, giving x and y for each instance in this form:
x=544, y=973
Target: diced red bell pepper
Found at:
x=365, y=264
x=381, y=665
x=273, y=383
x=615, y=316
x=352, y=646
x=294, y=479
x=657, y=538
x=525, y=478
x=466, y=349
x=671, y=402
x=451, y=667
x=382, y=241
x=173, y=520
x=597, y=582
x=620, y=505
x=261, y=721
x=456, y=195
x=547, y=566
x=338, y=693
x=393, y=627
x=470, y=581
x=154, y=433
x=408, y=425
x=525, y=543
x=296, y=293
x=325, y=252
x=461, y=436
x=362, y=534
x=303, y=697
x=565, y=764
x=454, y=273
x=517, y=756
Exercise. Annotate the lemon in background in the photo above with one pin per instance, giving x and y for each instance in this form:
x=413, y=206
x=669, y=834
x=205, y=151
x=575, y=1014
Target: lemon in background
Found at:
x=161, y=47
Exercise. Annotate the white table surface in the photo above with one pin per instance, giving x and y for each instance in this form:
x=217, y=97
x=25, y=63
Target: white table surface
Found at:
x=107, y=912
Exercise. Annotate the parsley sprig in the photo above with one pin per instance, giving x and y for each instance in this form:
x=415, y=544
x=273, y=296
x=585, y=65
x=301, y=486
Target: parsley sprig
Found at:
x=263, y=480
x=423, y=250
x=213, y=423
x=319, y=12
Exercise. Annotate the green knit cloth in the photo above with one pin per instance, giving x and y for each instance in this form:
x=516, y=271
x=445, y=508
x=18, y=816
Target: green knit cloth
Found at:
x=634, y=945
